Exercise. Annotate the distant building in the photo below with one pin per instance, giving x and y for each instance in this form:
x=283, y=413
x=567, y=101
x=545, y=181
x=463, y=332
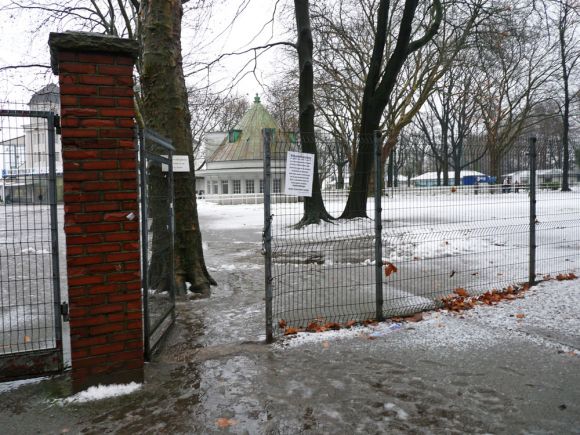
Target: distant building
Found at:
x=25, y=158
x=429, y=179
x=234, y=159
x=545, y=178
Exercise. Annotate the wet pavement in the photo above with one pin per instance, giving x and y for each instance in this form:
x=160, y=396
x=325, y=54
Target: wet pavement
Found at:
x=215, y=374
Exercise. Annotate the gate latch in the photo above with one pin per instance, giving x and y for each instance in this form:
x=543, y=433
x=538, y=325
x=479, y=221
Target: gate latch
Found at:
x=64, y=312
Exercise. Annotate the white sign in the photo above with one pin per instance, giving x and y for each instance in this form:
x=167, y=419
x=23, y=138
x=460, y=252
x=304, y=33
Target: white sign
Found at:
x=299, y=173
x=180, y=164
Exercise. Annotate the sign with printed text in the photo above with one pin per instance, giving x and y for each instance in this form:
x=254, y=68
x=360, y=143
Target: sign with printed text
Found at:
x=180, y=164
x=299, y=173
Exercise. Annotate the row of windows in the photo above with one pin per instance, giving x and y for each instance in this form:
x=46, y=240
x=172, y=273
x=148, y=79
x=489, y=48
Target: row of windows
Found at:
x=250, y=187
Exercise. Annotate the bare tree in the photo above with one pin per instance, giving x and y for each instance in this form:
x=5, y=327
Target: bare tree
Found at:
x=513, y=69
x=346, y=32
x=379, y=84
x=314, y=209
x=451, y=117
x=563, y=16
x=161, y=103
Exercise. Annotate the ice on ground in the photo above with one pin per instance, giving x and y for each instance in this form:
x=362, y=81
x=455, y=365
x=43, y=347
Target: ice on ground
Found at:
x=102, y=392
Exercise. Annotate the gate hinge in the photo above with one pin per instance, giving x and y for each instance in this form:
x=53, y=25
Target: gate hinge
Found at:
x=64, y=312
x=57, y=124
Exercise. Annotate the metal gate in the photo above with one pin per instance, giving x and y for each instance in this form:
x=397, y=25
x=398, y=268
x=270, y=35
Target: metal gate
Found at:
x=30, y=298
x=157, y=233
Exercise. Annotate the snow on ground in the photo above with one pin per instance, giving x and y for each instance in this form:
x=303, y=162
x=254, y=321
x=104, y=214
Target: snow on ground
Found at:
x=13, y=385
x=550, y=305
x=438, y=243
x=102, y=392
x=419, y=226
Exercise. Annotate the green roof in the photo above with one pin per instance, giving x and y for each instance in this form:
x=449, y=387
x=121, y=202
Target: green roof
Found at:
x=245, y=141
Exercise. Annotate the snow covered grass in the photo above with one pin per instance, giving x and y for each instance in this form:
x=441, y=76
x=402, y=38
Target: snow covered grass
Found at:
x=546, y=310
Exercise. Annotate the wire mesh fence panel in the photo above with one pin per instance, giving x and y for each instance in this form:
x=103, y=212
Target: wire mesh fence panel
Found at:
x=469, y=217
x=157, y=237
x=29, y=266
x=558, y=211
x=452, y=226
x=322, y=267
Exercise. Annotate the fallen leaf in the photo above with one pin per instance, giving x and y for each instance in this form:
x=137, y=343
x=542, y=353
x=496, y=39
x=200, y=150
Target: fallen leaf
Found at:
x=27, y=339
x=223, y=423
x=313, y=327
x=461, y=292
x=350, y=324
x=417, y=317
x=332, y=325
x=282, y=323
x=290, y=331
x=520, y=316
x=390, y=269
x=452, y=273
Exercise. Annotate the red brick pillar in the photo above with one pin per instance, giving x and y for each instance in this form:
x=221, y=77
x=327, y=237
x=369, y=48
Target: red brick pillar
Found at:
x=101, y=206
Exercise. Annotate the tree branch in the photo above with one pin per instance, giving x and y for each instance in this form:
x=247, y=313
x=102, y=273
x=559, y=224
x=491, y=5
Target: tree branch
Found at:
x=238, y=53
x=431, y=31
x=32, y=65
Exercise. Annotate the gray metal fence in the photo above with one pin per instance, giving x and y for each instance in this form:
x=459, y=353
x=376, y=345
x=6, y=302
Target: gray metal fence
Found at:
x=30, y=288
x=157, y=230
x=420, y=237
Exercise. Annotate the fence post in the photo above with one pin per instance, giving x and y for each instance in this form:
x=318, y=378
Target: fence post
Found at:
x=532, y=265
x=52, y=199
x=378, y=227
x=267, y=233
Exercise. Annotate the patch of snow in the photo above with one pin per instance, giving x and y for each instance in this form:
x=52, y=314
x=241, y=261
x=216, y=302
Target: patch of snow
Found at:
x=304, y=338
x=13, y=385
x=102, y=392
x=235, y=267
x=33, y=251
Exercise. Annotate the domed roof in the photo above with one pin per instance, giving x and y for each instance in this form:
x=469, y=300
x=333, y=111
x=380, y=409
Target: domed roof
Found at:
x=48, y=94
x=244, y=142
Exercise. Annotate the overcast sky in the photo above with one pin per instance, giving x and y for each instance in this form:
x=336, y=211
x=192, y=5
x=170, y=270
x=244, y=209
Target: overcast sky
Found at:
x=24, y=41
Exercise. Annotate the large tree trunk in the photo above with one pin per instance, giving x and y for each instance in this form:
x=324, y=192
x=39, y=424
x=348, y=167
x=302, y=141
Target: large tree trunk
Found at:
x=495, y=160
x=381, y=79
x=314, y=209
x=165, y=110
x=566, y=114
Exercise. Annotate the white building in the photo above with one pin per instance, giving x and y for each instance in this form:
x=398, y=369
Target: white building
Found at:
x=235, y=166
x=25, y=157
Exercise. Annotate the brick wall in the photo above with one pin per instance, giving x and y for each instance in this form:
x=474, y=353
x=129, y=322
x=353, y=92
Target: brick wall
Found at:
x=101, y=209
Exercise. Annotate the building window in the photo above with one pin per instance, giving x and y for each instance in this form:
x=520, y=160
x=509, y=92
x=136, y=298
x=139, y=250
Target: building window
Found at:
x=276, y=188
x=249, y=186
x=215, y=190
x=234, y=135
x=225, y=185
x=261, y=186
x=237, y=186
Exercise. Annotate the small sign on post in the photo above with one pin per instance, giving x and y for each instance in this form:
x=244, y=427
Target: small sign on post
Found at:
x=299, y=174
x=180, y=163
